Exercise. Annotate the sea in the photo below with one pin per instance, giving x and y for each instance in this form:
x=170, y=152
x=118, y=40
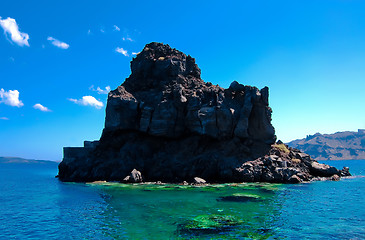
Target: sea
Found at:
x=36, y=205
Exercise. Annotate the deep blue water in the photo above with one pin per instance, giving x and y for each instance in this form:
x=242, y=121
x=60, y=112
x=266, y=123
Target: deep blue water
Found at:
x=35, y=205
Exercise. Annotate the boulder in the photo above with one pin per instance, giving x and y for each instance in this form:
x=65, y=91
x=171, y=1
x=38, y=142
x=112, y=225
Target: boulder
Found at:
x=335, y=177
x=345, y=172
x=198, y=180
x=302, y=156
x=294, y=179
x=134, y=177
x=323, y=170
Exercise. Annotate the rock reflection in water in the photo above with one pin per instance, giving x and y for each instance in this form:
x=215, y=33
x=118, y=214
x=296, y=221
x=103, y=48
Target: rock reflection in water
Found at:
x=173, y=211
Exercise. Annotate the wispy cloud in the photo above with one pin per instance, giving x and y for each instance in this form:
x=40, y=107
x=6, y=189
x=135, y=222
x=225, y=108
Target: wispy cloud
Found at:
x=116, y=28
x=10, y=98
x=58, y=43
x=122, y=51
x=89, y=32
x=4, y=118
x=11, y=28
x=99, y=90
x=135, y=53
x=127, y=39
x=87, y=101
x=41, y=107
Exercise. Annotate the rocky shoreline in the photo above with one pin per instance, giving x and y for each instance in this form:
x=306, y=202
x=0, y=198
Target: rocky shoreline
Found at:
x=283, y=165
x=164, y=123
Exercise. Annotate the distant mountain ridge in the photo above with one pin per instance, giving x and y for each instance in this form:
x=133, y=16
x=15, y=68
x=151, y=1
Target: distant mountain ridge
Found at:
x=336, y=146
x=23, y=160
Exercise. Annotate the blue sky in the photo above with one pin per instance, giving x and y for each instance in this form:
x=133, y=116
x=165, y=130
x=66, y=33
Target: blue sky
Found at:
x=311, y=55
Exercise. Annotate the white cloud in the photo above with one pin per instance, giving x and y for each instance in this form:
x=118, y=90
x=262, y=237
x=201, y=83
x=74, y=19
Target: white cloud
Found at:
x=11, y=28
x=58, y=43
x=122, y=51
x=4, y=118
x=116, y=28
x=87, y=101
x=89, y=32
x=135, y=53
x=102, y=30
x=10, y=98
x=99, y=90
x=41, y=107
x=127, y=39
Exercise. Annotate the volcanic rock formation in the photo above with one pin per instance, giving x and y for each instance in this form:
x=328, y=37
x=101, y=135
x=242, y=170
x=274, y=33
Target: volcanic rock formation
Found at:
x=171, y=126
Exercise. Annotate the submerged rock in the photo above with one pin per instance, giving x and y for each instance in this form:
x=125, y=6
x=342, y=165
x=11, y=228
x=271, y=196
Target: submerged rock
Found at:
x=240, y=197
x=210, y=223
x=165, y=121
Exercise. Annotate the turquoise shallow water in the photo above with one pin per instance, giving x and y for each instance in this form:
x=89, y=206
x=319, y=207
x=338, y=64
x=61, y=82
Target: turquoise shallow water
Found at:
x=35, y=205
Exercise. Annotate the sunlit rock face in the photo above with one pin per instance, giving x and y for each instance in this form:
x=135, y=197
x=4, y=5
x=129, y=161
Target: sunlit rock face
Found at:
x=165, y=96
x=170, y=125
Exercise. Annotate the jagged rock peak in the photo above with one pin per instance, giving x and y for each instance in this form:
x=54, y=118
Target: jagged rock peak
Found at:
x=164, y=96
x=158, y=65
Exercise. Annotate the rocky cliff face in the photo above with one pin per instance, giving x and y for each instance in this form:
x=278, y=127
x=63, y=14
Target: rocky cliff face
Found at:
x=165, y=121
x=165, y=97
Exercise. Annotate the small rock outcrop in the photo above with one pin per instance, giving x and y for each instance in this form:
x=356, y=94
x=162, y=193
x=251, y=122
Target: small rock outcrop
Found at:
x=165, y=121
x=287, y=165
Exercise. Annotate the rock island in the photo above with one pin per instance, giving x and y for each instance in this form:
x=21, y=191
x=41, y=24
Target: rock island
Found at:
x=164, y=123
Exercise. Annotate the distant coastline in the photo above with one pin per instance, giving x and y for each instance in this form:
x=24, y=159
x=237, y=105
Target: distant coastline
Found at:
x=23, y=160
x=337, y=146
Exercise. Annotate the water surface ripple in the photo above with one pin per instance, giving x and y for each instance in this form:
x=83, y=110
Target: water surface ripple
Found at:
x=35, y=205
